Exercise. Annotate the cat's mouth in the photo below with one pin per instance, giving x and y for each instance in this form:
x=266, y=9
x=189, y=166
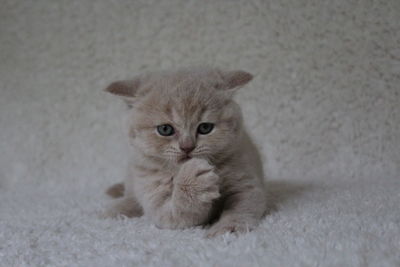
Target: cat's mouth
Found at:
x=184, y=158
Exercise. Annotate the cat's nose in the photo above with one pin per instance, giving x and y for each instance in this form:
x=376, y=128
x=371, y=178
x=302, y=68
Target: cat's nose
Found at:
x=187, y=147
x=187, y=144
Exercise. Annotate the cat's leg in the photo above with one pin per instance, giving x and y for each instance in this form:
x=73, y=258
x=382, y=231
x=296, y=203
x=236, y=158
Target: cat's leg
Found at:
x=242, y=211
x=127, y=206
x=187, y=200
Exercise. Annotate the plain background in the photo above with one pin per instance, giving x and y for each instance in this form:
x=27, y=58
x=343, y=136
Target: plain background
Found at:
x=324, y=103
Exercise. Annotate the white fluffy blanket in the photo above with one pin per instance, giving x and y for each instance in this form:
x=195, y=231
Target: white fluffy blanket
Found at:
x=337, y=223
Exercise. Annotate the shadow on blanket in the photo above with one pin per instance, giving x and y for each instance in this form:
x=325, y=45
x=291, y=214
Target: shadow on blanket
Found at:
x=279, y=192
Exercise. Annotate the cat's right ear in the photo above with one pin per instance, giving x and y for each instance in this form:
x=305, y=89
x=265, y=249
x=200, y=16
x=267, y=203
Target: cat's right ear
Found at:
x=127, y=89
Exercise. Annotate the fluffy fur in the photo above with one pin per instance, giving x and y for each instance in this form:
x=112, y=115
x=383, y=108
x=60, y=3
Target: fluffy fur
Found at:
x=220, y=181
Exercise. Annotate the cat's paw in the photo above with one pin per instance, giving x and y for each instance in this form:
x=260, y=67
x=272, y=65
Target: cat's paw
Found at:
x=231, y=224
x=127, y=207
x=227, y=227
x=197, y=181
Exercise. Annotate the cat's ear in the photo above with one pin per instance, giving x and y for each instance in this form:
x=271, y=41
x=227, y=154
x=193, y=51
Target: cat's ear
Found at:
x=235, y=79
x=127, y=89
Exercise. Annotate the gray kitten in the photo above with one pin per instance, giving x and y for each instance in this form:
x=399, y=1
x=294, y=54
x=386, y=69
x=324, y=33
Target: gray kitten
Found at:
x=194, y=163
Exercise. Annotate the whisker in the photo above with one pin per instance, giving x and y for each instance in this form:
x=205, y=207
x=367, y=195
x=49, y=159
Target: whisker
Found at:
x=205, y=150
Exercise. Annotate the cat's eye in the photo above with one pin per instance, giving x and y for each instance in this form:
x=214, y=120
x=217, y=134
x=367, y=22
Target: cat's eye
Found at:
x=165, y=130
x=205, y=128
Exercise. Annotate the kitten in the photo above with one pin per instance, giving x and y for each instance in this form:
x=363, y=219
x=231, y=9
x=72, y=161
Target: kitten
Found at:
x=193, y=163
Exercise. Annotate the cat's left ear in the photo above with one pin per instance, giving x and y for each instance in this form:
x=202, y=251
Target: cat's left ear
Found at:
x=127, y=89
x=233, y=80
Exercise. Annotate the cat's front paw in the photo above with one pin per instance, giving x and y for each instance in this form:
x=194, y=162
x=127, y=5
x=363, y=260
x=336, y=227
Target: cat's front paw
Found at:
x=197, y=181
x=126, y=207
x=228, y=227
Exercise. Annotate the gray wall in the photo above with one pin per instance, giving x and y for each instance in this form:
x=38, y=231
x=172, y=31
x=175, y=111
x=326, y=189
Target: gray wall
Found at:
x=324, y=103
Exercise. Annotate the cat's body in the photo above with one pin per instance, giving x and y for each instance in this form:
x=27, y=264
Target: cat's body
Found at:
x=201, y=165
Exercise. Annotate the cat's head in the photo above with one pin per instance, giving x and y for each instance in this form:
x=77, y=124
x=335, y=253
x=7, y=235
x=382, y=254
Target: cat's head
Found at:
x=184, y=114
